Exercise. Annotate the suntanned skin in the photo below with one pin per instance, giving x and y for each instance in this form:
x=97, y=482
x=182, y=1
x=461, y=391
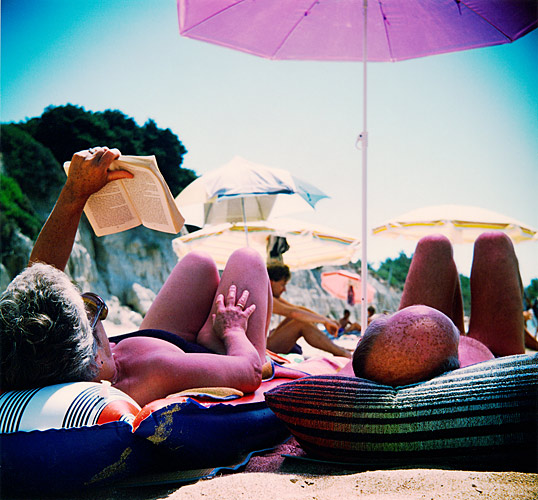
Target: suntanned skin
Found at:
x=299, y=322
x=429, y=324
x=347, y=325
x=229, y=315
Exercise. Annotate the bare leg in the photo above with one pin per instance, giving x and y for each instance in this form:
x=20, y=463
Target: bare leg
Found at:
x=433, y=279
x=183, y=303
x=247, y=271
x=354, y=327
x=290, y=331
x=496, y=296
x=530, y=341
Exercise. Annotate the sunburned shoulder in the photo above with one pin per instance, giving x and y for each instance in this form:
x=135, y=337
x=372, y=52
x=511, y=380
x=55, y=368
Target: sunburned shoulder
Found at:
x=140, y=362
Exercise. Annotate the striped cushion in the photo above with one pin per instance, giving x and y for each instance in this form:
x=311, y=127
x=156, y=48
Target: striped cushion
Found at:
x=76, y=404
x=484, y=416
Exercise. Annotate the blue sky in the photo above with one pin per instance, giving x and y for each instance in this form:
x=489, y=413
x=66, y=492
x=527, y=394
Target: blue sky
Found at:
x=455, y=128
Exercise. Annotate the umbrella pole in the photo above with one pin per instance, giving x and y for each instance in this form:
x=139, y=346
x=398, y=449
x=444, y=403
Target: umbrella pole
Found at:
x=244, y=219
x=364, y=140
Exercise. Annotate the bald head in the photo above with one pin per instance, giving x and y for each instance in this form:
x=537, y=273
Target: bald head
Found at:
x=414, y=344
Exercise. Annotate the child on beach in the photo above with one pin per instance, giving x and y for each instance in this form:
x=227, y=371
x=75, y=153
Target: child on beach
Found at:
x=346, y=325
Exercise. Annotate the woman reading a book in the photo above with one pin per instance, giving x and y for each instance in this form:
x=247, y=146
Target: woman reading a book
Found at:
x=201, y=330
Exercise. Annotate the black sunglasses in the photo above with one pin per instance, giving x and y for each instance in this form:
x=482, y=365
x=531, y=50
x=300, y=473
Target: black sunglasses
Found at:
x=96, y=308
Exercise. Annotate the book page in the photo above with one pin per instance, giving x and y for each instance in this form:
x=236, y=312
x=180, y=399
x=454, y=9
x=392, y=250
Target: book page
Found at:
x=150, y=194
x=109, y=210
x=126, y=203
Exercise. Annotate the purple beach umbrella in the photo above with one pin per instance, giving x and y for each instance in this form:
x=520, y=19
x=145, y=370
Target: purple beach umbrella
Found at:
x=356, y=30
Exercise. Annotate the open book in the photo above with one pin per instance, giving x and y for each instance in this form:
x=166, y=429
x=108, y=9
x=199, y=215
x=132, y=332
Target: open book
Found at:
x=126, y=203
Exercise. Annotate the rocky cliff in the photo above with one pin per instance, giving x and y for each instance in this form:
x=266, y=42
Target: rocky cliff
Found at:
x=129, y=268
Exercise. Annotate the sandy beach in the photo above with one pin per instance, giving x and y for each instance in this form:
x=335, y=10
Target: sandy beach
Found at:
x=375, y=485
x=271, y=476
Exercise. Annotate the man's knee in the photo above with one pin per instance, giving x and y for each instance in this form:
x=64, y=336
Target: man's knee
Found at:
x=494, y=242
x=495, y=251
x=435, y=244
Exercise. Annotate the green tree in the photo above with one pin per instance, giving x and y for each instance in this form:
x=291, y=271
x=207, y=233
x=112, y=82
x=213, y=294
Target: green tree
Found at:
x=67, y=129
x=169, y=152
x=16, y=212
x=465, y=283
x=124, y=133
x=32, y=166
x=531, y=291
x=394, y=271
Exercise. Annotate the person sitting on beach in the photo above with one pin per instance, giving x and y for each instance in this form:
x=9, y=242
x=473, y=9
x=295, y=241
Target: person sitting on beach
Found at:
x=299, y=321
x=346, y=326
x=426, y=337
x=200, y=331
x=371, y=314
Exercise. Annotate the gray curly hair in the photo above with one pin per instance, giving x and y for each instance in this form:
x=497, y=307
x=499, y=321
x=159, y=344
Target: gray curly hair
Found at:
x=45, y=335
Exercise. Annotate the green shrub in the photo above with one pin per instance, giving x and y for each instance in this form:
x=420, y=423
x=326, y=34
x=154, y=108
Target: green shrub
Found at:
x=15, y=212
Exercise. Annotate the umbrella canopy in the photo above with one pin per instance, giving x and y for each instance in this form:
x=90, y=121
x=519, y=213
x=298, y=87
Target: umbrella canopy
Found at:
x=349, y=30
x=332, y=30
x=341, y=283
x=459, y=223
x=310, y=245
x=244, y=191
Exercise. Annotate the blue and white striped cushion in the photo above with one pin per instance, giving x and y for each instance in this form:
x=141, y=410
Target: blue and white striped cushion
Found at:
x=60, y=406
x=484, y=416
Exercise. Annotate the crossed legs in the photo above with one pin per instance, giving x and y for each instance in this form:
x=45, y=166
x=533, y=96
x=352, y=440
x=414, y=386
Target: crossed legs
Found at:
x=186, y=302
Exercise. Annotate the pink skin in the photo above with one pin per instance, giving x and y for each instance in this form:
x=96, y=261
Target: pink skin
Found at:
x=222, y=315
x=415, y=341
x=186, y=303
x=278, y=287
x=425, y=331
x=105, y=359
x=299, y=323
x=497, y=296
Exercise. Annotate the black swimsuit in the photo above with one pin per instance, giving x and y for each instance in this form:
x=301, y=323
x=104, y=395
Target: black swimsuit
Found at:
x=183, y=344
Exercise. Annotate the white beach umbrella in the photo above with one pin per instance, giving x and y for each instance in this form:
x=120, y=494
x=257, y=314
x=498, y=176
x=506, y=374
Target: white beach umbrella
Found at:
x=244, y=191
x=459, y=223
x=310, y=245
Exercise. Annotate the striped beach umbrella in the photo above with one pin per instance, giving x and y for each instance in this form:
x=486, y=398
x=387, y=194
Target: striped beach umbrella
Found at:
x=310, y=245
x=459, y=223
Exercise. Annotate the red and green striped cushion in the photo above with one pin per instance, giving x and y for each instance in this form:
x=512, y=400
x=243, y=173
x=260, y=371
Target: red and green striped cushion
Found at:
x=483, y=416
